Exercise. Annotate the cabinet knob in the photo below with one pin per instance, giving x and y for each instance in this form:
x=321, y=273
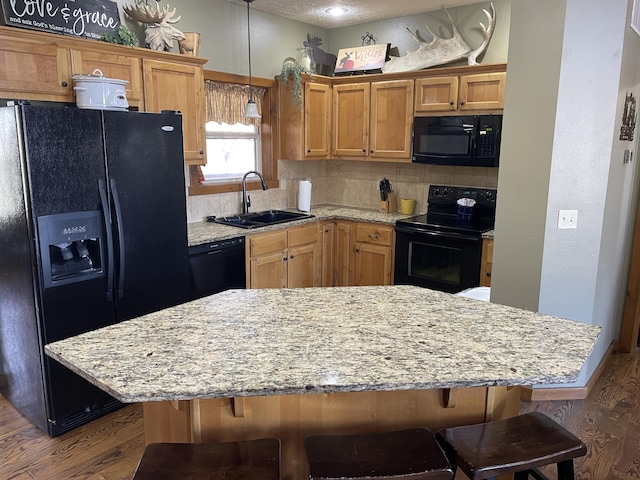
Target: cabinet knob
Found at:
x=357, y=250
x=451, y=102
x=461, y=103
x=364, y=150
x=371, y=151
x=201, y=152
x=65, y=84
x=309, y=150
x=488, y=274
x=291, y=257
x=284, y=259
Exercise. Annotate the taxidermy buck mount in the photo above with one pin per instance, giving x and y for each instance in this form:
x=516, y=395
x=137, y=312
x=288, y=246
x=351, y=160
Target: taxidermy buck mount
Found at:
x=442, y=50
x=159, y=33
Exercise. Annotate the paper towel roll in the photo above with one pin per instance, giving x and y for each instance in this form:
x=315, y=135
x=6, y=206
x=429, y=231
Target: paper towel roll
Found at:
x=304, y=196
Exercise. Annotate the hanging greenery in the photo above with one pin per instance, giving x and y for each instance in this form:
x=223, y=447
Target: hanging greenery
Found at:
x=123, y=36
x=292, y=71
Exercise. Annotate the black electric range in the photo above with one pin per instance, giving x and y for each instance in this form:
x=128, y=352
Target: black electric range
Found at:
x=442, y=248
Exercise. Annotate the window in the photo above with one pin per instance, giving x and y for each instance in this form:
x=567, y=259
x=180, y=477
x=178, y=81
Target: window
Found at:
x=218, y=178
x=232, y=150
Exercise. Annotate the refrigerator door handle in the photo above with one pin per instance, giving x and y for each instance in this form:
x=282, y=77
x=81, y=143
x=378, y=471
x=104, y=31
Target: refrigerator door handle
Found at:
x=102, y=187
x=116, y=203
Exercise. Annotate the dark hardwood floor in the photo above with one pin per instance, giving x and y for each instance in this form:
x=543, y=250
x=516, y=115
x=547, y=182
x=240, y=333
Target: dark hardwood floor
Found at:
x=608, y=421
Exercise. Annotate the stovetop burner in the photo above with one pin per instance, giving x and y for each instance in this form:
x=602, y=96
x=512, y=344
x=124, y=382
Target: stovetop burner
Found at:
x=442, y=212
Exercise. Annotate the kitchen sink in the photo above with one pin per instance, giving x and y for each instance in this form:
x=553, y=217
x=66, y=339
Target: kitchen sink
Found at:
x=260, y=219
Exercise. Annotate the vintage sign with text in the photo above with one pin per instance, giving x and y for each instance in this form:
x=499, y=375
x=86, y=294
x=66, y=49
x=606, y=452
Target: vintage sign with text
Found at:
x=368, y=58
x=78, y=18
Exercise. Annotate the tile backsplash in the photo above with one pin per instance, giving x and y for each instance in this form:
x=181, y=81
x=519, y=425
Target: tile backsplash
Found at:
x=340, y=182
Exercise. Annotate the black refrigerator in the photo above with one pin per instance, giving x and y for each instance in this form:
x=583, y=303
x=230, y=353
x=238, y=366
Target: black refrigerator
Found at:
x=93, y=231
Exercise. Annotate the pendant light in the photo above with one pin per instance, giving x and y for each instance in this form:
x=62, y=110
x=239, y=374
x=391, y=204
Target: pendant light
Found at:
x=251, y=111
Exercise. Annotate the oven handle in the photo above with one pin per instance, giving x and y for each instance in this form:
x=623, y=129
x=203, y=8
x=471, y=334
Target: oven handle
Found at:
x=452, y=236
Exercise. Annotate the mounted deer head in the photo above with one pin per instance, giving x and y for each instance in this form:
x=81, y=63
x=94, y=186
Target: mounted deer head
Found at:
x=159, y=33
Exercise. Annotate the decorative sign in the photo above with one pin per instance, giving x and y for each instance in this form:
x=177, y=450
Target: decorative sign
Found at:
x=368, y=58
x=79, y=18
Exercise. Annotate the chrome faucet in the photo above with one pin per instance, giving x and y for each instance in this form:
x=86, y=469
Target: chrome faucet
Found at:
x=246, y=200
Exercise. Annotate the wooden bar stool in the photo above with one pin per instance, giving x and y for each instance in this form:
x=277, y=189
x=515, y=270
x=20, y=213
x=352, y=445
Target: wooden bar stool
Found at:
x=246, y=460
x=516, y=445
x=405, y=454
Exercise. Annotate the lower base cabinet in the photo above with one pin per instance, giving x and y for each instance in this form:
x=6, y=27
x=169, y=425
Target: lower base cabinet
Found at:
x=287, y=258
x=361, y=254
x=328, y=254
x=487, y=260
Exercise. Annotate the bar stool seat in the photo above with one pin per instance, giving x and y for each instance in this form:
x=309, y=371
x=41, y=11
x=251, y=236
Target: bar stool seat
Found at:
x=515, y=445
x=408, y=454
x=246, y=460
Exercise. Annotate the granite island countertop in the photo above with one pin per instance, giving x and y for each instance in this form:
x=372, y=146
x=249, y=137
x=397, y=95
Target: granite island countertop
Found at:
x=341, y=339
x=203, y=232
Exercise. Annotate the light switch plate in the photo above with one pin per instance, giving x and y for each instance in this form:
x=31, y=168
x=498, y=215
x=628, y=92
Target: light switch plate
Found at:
x=568, y=219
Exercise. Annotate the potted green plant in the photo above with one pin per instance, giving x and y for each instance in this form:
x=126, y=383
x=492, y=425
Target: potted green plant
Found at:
x=292, y=72
x=122, y=36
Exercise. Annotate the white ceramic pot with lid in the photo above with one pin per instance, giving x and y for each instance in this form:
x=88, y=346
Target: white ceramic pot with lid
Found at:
x=95, y=91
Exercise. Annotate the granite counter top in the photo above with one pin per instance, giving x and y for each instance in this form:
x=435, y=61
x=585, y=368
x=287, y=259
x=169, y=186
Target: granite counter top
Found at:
x=341, y=339
x=203, y=232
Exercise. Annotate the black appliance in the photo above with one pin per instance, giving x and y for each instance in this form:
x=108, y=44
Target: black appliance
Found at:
x=217, y=266
x=442, y=249
x=469, y=140
x=92, y=232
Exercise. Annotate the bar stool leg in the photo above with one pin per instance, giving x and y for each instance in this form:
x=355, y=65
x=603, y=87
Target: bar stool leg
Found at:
x=565, y=470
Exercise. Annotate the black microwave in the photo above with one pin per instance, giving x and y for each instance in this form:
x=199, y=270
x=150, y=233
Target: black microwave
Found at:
x=469, y=140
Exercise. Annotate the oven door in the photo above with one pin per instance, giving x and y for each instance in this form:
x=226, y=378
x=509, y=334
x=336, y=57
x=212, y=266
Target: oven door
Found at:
x=436, y=260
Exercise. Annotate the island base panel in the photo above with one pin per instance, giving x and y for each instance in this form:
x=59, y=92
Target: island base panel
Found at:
x=292, y=417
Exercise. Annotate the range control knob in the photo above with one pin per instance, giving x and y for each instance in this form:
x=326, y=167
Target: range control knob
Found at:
x=445, y=192
x=436, y=192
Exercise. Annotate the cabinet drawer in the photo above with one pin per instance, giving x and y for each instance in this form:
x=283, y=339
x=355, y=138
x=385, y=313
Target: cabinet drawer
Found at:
x=376, y=234
x=303, y=235
x=265, y=243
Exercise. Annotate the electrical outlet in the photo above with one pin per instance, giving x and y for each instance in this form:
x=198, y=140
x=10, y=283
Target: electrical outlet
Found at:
x=568, y=219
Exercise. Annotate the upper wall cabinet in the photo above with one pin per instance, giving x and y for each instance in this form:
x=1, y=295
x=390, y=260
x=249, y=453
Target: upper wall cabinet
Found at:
x=39, y=66
x=170, y=86
x=373, y=120
x=112, y=65
x=483, y=91
x=305, y=132
x=30, y=68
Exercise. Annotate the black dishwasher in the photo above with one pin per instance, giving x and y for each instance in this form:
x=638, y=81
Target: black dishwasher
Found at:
x=217, y=266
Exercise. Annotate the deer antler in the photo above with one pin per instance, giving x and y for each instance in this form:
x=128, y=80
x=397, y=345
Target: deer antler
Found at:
x=487, y=32
x=145, y=14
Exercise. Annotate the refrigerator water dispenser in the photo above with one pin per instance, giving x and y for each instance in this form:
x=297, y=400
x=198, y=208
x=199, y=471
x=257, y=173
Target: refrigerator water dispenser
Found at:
x=72, y=248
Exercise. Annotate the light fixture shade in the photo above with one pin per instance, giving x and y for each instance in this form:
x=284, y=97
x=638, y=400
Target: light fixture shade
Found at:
x=251, y=110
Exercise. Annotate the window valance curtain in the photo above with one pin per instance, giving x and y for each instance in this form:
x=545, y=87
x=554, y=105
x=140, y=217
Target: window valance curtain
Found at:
x=226, y=102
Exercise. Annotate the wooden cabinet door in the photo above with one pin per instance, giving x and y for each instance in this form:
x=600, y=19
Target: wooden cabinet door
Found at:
x=391, y=119
x=112, y=65
x=317, y=120
x=36, y=70
x=372, y=264
x=173, y=86
x=483, y=91
x=487, y=260
x=351, y=119
x=437, y=94
x=268, y=271
x=328, y=254
x=303, y=266
x=343, y=256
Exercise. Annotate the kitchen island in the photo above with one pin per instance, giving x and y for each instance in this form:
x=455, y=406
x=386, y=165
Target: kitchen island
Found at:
x=289, y=362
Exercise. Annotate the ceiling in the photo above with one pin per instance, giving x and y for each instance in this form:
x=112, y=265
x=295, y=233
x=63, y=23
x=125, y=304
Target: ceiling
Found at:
x=360, y=11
